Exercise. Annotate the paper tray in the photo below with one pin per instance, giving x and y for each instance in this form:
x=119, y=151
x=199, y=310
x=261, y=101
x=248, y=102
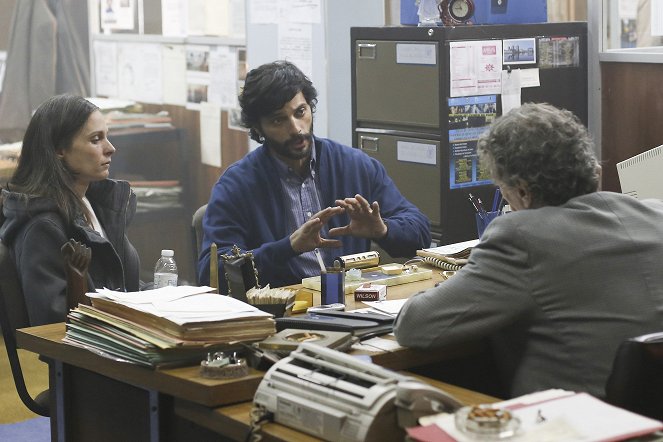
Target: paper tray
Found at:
x=375, y=276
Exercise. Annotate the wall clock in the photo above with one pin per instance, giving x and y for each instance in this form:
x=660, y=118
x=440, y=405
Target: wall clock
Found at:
x=456, y=12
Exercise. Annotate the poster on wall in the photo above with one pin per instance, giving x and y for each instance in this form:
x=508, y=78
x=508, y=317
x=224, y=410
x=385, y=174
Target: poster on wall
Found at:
x=559, y=52
x=117, y=14
x=469, y=117
x=197, y=75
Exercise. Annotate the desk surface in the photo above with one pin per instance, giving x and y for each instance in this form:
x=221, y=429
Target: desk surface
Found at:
x=401, y=291
x=185, y=382
x=224, y=405
x=233, y=420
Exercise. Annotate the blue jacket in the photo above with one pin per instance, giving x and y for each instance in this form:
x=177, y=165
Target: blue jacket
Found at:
x=246, y=208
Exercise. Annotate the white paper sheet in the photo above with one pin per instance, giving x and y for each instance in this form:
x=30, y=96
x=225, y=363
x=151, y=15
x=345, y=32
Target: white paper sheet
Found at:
x=174, y=74
x=217, y=17
x=117, y=14
x=210, y=134
x=263, y=11
x=3, y=61
x=223, y=71
x=377, y=344
x=392, y=306
x=237, y=25
x=567, y=416
x=196, y=17
x=295, y=43
x=530, y=77
x=656, y=17
x=304, y=11
x=511, y=90
x=183, y=304
x=174, y=17
x=474, y=67
x=450, y=249
x=105, y=68
x=139, y=72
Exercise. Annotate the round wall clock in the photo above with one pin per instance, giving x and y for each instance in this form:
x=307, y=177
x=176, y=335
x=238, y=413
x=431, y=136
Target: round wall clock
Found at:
x=456, y=12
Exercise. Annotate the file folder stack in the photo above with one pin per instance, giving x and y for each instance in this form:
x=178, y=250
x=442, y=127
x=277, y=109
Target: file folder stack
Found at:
x=167, y=326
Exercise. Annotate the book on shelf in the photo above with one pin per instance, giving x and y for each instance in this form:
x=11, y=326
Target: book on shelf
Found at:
x=164, y=326
x=122, y=120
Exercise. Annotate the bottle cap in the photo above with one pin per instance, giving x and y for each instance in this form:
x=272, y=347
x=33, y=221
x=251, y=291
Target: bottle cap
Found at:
x=167, y=252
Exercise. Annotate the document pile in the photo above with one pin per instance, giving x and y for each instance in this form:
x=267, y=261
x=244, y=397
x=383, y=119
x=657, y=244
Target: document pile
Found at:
x=550, y=415
x=170, y=325
x=157, y=195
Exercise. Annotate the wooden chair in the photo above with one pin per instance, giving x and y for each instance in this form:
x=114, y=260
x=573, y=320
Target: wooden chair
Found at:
x=14, y=315
x=197, y=236
x=636, y=380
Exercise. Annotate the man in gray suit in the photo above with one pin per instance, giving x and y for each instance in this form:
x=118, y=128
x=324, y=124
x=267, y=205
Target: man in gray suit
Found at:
x=557, y=284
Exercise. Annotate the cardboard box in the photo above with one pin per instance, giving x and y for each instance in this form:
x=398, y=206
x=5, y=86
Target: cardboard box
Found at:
x=371, y=292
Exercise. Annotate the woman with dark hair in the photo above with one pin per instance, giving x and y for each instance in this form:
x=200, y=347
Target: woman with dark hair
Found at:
x=60, y=191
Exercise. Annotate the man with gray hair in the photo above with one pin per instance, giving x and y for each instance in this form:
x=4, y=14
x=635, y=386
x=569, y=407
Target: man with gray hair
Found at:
x=556, y=285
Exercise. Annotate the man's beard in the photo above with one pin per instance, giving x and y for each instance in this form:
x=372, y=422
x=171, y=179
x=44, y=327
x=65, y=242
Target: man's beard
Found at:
x=284, y=149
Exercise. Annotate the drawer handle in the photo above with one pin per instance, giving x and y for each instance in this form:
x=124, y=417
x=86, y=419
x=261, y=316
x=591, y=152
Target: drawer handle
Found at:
x=366, y=50
x=368, y=143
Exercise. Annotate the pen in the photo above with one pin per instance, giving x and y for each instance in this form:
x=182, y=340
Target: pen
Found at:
x=323, y=269
x=474, y=204
x=480, y=204
x=497, y=199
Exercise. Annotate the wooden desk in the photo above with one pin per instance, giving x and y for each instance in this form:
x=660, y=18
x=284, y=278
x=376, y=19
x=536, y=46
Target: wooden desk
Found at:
x=233, y=420
x=99, y=399
x=393, y=292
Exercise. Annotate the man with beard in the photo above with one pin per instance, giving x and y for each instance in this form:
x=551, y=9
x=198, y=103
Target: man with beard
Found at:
x=297, y=193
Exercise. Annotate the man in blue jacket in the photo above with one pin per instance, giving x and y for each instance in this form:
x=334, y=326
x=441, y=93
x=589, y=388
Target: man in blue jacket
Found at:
x=297, y=193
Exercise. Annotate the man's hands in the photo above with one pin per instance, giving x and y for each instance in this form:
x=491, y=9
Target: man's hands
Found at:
x=307, y=237
x=365, y=219
x=365, y=222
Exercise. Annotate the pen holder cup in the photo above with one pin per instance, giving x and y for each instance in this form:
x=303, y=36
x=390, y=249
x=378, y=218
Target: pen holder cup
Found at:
x=483, y=219
x=332, y=287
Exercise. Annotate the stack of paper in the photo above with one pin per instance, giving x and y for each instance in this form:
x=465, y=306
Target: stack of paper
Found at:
x=460, y=250
x=167, y=325
x=551, y=415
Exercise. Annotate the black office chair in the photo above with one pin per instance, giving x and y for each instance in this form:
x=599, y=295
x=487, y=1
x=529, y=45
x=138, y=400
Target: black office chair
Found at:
x=197, y=235
x=14, y=315
x=636, y=380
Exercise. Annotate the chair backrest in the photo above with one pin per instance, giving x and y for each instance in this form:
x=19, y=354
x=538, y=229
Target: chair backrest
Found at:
x=197, y=235
x=14, y=315
x=636, y=380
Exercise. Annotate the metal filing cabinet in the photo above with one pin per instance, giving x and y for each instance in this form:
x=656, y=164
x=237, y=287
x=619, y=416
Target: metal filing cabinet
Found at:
x=402, y=110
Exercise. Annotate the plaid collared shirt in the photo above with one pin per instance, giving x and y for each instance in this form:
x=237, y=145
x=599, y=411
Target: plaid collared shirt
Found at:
x=302, y=201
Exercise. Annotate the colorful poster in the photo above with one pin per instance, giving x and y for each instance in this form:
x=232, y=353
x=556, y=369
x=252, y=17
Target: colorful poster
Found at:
x=559, y=52
x=469, y=117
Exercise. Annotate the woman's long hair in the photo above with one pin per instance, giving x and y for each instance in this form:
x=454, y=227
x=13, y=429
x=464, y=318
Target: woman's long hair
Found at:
x=40, y=172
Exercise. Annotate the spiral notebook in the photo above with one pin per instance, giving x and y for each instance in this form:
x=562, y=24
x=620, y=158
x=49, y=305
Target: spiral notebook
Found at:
x=449, y=256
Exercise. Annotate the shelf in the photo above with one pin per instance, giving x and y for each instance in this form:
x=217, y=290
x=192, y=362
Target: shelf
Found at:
x=207, y=40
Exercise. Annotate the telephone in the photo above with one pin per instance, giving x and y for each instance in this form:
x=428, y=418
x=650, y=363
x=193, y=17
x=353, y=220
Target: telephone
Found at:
x=414, y=399
x=348, y=399
x=445, y=263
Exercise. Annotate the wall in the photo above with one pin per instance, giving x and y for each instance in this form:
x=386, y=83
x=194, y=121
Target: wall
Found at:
x=6, y=12
x=632, y=103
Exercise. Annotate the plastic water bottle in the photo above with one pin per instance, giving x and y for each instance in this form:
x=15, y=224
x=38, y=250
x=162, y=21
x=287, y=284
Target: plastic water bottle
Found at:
x=165, y=271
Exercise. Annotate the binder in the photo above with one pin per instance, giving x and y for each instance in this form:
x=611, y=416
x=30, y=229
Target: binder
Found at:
x=360, y=328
